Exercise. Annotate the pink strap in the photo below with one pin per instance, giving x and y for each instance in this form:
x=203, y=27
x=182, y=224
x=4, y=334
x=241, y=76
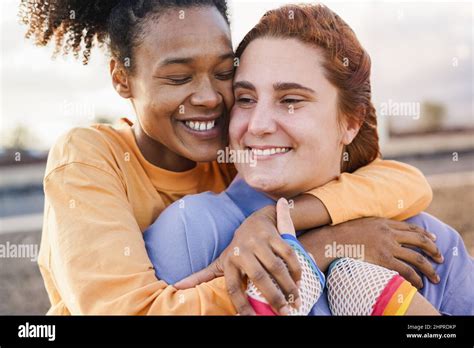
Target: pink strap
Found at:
x=260, y=307
x=386, y=295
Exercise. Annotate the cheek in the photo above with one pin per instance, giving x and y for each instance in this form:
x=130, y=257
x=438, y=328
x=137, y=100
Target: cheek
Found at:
x=156, y=119
x=159, y=103
x=228, y=95
x=315, y=138
x=237, y=127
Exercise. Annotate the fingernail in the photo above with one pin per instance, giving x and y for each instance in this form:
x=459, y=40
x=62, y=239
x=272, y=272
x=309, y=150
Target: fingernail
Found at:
x=285, y=310
x=298, y=283
x=433, y=236
x=437, y=278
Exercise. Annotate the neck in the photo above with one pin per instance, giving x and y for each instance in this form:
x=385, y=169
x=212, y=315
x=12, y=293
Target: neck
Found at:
x=159, y=155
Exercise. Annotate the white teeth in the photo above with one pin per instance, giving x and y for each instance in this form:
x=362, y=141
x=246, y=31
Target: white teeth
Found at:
x=268, y=152
x=201, y=126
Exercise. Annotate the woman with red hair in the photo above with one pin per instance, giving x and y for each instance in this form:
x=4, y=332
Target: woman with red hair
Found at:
x=303, y=110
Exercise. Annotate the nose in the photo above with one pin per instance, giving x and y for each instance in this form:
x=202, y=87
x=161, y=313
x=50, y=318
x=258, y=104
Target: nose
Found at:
x=262, y=121
x=206, y=95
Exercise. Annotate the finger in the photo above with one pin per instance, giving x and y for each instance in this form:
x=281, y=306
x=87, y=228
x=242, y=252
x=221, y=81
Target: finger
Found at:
x=419, y=261
x=279, y=271
x=284, y=222
x=421, y=241
x=404, y=226
x=205, y=275
x=270, y=291
x=406, y=272
x=286, y=252
x=234, y=281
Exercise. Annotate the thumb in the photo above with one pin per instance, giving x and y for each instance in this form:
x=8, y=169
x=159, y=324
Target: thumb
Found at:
x=210, y=272
x=284, y=222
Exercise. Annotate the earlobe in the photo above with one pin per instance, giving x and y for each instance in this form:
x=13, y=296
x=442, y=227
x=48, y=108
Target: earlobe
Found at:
x=120, y=79
x=349, y=135
x=353, y=125
x=351, y=130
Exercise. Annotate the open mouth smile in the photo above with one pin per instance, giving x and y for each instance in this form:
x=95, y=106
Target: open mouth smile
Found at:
x=203, y=127
x=268, y=151
x=200, y=126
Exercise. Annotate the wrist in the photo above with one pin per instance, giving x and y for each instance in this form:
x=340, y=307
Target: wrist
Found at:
x=267, y=213
x=315, y=242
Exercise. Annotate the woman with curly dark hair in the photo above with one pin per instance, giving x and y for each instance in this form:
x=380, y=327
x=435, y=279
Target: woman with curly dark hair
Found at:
x=104, y=186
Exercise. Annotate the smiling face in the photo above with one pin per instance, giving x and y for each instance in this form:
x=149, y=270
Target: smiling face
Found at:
x=181, y=87
x=286, y=113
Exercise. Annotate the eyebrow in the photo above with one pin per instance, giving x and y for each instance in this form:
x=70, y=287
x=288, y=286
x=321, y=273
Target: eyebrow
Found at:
x=189, y=60
x=278, y=86
x=245, y=85
x=283, y=86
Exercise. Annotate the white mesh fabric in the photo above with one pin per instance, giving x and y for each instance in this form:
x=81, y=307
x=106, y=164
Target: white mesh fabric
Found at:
x=354, y=286
x=310, y=288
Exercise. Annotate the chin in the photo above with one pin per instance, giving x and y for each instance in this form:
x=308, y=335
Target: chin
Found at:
x=264, y=182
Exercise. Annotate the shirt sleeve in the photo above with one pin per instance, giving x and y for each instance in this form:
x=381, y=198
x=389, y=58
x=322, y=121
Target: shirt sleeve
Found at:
x=383, y=188
x=97, y=256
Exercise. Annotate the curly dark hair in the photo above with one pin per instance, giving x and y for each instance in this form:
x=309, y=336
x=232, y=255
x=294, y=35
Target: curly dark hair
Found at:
x=77, y=25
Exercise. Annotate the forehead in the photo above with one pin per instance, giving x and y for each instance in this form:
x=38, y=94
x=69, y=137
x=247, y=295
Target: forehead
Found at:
x=278, y=59
x=187, y=32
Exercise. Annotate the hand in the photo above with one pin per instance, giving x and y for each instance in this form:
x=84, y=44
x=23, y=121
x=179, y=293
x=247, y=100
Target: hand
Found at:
x=386, y=243
x=259, y=253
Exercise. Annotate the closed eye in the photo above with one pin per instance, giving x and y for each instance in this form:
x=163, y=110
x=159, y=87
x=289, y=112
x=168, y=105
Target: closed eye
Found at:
x=227, y=75
x=175, y=79
x=291, y=101
x=178, y=80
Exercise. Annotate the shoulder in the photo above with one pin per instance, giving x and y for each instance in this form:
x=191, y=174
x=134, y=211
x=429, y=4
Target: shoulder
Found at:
x=446, y=236
x=201, y=211
x=194, y=206
x=95, y=146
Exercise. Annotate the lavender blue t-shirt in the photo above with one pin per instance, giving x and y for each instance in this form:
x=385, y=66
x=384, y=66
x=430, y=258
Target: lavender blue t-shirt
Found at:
x=192, y=232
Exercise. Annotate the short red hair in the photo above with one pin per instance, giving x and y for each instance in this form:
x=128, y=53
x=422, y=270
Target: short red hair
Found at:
x=346, y=65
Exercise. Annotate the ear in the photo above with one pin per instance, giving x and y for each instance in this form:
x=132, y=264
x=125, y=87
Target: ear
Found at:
x=351, y=126
x=120, y=79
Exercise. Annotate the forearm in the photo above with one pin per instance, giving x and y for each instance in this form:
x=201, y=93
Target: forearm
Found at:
x=315, y=241
x=308, y=212
x=389, y=189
